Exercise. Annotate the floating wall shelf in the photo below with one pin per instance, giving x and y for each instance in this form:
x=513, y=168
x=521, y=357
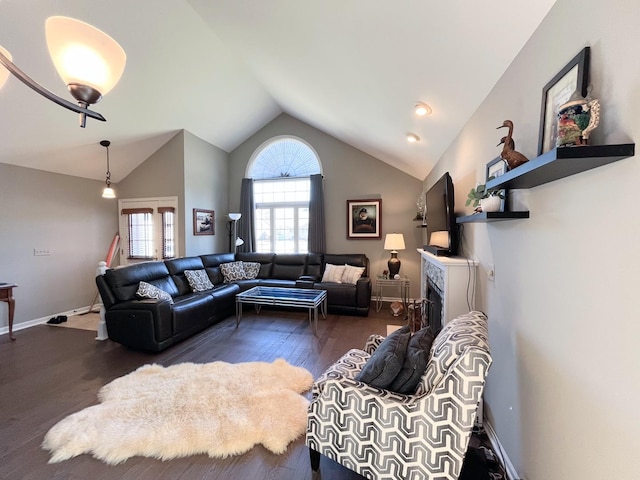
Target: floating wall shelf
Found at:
x=485, y=217
x=559, y=163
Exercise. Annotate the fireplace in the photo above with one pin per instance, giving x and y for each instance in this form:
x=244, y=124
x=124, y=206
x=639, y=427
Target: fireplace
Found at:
x=447, y=284
x=435, y=307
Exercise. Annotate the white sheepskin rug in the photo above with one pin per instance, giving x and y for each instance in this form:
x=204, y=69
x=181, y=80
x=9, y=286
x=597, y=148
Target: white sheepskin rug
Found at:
x=217, y=408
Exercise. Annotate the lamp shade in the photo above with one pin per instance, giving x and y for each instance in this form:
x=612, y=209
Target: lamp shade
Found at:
x=394, y=241
x=234, y=216
x=108, y=193
x=84, y=55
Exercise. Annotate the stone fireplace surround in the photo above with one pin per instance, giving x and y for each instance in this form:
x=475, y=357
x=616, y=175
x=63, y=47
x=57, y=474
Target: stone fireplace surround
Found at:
x=452, y=279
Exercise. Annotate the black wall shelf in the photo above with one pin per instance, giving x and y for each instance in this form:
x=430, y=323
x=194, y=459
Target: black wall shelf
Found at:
x=485, y=217
x=559, y=163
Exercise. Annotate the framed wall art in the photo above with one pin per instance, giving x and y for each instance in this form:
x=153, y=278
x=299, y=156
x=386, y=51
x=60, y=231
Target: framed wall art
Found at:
x=364, y=219
x=496, y=168
x=573, y=77
x=203, y=222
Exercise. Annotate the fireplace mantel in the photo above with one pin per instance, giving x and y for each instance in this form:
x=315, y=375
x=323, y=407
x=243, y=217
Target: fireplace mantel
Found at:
x=453, y=278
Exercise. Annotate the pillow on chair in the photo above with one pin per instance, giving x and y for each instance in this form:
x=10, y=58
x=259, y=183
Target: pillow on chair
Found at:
x=333, y=273
x=198, y=280
x=387, y=360
x=415, y=362
x=146, y=290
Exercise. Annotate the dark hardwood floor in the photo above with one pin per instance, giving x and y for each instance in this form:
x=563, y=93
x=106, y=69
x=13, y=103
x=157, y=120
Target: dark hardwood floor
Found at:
x=49, y=373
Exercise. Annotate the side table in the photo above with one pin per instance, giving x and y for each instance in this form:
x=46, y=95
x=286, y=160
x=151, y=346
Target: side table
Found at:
x=403, y=284
x=6, y=295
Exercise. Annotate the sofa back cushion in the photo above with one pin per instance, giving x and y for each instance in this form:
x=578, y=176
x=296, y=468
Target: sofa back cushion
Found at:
x=355, y=259
x=289, y=266
x=177, y=266
x=212, y=264
x=124, y=281
x=264, y=259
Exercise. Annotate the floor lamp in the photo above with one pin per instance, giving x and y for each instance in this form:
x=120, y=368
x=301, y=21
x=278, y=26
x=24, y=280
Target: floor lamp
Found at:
x=232, y=227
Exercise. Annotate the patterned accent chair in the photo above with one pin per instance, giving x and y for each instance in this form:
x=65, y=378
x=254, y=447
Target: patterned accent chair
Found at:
x=385, y=435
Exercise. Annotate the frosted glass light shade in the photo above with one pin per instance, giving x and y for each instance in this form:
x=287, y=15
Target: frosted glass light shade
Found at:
x=394, y=241
x=108, y=193
x=4, y=73
x=234, y=216
x=84, y=55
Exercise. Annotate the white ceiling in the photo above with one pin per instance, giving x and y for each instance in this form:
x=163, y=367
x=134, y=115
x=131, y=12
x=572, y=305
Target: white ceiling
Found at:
x=223, y=69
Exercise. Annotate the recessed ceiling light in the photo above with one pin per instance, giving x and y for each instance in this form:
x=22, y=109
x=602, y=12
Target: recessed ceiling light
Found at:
x=412, y=137
x=422, y=109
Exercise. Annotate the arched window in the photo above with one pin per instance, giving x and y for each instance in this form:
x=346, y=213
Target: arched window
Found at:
x=280, y=169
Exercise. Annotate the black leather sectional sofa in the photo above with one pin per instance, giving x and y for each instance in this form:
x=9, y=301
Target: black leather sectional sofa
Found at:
x=153, y=325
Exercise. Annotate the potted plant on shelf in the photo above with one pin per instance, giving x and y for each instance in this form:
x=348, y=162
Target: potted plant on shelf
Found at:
x=485, y=200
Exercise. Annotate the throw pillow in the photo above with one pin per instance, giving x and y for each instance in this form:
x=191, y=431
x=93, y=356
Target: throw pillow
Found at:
x=251, y=270
x=146, y=290
x=232, y=271
x=352, y=274
x=333, y=273
x=415, y=362
x=198, y=280
x=387, y=360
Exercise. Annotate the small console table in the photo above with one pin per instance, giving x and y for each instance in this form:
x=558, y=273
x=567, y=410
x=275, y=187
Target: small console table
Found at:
x=6, y=295
x=402, y=283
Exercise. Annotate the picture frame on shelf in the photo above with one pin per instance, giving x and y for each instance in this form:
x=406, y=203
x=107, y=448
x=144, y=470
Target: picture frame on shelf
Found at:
x=573, y=77
x=364, y=219
x=204, y=222
x=496, y=168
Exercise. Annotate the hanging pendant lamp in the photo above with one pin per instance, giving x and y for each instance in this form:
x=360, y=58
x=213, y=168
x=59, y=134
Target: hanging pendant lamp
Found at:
x=108, y=191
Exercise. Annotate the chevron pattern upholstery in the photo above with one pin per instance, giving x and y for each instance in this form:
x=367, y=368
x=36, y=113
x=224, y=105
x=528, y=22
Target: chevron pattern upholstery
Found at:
x=385, y=435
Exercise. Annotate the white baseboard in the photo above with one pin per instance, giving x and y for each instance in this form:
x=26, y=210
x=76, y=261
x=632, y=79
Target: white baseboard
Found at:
x=39, y=321
x=500, y=452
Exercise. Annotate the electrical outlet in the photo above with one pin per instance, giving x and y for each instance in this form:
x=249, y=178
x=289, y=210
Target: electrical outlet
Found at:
x=491, y=272
x=41, y=252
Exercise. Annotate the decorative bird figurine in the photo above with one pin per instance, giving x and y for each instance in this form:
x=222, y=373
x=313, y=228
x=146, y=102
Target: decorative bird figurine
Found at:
x=509, y=154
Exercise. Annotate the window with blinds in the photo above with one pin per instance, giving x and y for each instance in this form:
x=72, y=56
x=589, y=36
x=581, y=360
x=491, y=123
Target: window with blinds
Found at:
x=140, y=222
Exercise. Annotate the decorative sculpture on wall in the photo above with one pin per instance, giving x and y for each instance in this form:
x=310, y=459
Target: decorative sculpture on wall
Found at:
x=509, y=154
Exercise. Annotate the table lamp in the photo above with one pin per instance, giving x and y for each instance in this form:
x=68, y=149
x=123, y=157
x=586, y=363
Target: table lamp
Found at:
x=394, y=242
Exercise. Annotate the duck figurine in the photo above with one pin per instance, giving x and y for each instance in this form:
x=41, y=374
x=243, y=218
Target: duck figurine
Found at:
x=509, y=154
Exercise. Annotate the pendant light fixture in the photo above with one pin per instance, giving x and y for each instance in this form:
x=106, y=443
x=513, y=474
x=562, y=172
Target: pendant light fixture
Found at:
x=108, y=191
x=89, y=61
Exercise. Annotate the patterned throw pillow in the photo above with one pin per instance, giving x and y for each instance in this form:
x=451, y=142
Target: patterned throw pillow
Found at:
x=146, y=290
x=198, y=280
x=333, y=273
x=352, y=274
x=251, y=270
x=232, y=271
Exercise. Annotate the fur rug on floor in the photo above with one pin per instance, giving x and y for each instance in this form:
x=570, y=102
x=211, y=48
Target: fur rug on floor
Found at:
x=217, y=408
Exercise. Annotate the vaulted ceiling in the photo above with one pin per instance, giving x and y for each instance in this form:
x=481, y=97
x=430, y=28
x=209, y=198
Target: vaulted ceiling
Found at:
x=223, y=69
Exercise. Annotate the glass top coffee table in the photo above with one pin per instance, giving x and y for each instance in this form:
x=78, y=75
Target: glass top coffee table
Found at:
x=285, y=297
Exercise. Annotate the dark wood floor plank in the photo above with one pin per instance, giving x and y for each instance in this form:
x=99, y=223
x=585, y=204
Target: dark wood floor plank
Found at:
x=49, y=373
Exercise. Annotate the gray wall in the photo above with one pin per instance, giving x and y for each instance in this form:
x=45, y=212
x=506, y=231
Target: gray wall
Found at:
x=56, y=212
x=348, y=174
x=205, y=173
x=563, y=390
x=194, y=171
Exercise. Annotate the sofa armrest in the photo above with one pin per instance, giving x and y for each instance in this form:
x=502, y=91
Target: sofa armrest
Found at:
x=140, y=323
x=363, y=292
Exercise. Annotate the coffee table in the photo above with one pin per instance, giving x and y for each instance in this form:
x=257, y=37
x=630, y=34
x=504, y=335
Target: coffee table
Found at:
x=285, y=297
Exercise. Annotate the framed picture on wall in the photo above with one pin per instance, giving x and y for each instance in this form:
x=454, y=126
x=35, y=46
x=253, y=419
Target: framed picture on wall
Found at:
x=203, y=222
x=364, y=219
x=496, y=168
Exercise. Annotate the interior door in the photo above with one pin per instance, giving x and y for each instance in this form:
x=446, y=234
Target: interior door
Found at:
x=143, y=241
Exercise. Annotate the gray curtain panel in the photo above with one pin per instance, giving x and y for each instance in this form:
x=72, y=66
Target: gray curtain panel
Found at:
x=245, y=224
x=317, y=242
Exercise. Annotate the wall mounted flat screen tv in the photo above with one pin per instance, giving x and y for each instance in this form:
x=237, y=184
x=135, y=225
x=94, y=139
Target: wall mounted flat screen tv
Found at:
x=442, y=230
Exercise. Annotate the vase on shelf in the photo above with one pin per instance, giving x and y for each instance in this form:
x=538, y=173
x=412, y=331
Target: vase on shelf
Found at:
x=577, y=118
x=491, y=203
